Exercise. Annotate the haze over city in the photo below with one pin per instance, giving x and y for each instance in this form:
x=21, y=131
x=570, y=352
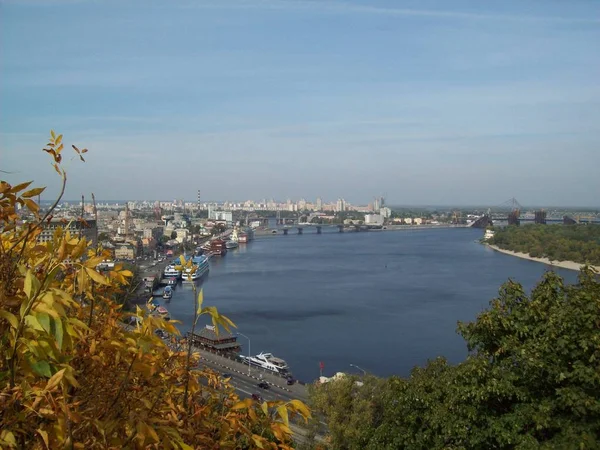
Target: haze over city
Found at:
x=430, y=102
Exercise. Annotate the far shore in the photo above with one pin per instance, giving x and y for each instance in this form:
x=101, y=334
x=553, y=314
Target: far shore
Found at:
x=571, y=265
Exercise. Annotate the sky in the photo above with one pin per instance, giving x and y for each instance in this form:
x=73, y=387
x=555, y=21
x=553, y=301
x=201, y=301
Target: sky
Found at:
x=426, y=102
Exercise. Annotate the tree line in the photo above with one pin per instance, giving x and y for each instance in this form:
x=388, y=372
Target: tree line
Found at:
x=578, y=243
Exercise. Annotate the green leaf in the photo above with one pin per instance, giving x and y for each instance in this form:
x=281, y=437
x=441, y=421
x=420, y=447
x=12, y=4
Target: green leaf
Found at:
x=44, y=320
x=57, y=330
x=32, y=322
x=42, y=368
x=10, y=317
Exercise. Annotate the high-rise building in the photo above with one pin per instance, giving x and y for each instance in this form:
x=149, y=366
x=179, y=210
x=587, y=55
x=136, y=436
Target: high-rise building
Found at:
x=340, y=205
x=319, y=204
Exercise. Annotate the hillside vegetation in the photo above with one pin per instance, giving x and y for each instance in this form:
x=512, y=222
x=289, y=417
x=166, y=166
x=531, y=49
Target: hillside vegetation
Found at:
x=577, y=243
x=72, y=376
x=532, y=380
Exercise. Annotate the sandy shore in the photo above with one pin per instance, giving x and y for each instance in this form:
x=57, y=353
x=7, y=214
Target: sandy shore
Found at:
x=562, y=264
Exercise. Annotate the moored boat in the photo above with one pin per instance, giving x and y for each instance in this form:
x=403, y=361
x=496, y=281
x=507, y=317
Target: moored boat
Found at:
x=171, y=271
x=231, y=244
x=200, y=268
x=168, y=293
x=267, y=361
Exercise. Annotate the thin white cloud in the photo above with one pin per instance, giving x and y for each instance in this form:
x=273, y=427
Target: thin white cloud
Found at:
x=343, y=7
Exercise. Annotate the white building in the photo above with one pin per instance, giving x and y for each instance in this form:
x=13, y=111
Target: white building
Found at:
x=385, y=212
x=373, y=219
x=488, y=235
x=227, y=216
x=182, y=235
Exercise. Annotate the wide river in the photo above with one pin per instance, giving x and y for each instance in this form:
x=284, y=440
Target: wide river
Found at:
x=384, y=301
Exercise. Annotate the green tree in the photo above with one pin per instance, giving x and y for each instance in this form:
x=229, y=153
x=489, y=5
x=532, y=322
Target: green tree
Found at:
x=531, y=380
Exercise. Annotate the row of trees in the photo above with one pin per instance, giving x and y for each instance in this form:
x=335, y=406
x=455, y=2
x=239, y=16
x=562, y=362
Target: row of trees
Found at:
x=578, y=243
x=531, y=380
x=73, y=376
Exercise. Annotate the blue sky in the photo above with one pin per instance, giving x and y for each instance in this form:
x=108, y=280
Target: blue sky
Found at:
x=430, y=102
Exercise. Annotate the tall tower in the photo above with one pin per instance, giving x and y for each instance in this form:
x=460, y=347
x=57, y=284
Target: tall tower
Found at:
x=126, y=219
x=319, y=204
x=198, y=200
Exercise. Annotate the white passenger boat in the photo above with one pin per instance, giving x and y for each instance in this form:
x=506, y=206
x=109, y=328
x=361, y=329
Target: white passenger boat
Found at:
x=267, y=361
x=171, y=272
x=195, y=273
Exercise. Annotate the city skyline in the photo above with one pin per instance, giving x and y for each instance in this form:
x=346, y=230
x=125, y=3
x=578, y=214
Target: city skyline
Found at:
x=436, y=103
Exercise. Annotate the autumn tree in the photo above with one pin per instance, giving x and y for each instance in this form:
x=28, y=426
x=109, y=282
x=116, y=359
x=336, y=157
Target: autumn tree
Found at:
x=72, y=375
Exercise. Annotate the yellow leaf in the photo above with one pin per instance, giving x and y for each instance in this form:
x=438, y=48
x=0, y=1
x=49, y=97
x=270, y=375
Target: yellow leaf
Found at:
x=200, y=300
x=283, y=413
x=241, y=405
x=265, y=407
x=126, y=273
x=58, y=139
x=96, y=276
x=52, y=134
x=10, y=317
x=33, y=192
x=31, y=205
x=31, y=285
x=20, y=187
x=258, y=440
x=79, y=249
x=56, y=378
x=44, y=435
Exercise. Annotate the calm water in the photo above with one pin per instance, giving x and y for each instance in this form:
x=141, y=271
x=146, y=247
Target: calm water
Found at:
x=385, y=301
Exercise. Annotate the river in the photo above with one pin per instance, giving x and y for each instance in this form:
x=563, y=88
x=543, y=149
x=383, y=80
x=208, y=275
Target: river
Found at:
x=384, y=301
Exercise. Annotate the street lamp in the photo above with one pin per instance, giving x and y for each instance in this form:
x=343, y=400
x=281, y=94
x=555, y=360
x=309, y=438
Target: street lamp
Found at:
x=359, y=368
x=242, y=334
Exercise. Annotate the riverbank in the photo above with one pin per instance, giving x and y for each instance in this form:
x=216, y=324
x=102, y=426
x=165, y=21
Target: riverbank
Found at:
x=571, y=265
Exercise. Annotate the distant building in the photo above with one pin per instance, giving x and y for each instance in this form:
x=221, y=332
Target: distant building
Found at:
x=88, y=229
x=125, y=251
x=319, y=205
x=373, y=219
x=182, y=235
x=227, y=216
x=340, y=205
x=488, y=234
x=385, y=212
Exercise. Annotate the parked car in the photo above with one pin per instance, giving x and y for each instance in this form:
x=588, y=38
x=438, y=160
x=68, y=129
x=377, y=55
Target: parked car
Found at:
x=257, y=398
x=226, y=375
x=263, y=385
x=290, y=381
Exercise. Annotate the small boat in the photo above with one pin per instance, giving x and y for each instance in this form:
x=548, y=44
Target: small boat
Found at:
x=172, y=281
x=162, y=311
x=168, y=293
x=267, y=361
x=231, y=244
